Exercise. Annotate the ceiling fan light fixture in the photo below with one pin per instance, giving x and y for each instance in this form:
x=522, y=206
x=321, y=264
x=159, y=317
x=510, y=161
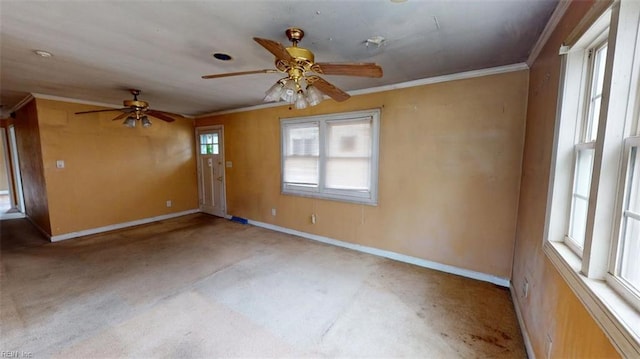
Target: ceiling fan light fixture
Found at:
x=289, y=91
x=314, y=96
x=273, y=94
x=301, y=102
x=146, y=123
x=130, y=122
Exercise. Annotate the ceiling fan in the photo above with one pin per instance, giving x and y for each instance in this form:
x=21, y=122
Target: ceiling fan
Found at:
x=299, y=66
x=135, y=110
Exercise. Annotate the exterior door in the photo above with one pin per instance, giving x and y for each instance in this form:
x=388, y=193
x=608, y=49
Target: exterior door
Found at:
x=211, y=171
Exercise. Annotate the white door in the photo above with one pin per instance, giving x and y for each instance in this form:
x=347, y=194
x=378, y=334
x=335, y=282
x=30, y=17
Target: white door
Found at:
x=211, y=171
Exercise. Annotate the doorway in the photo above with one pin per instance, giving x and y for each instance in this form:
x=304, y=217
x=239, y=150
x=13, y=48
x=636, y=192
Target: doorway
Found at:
x=11, y=197
x=211, y=179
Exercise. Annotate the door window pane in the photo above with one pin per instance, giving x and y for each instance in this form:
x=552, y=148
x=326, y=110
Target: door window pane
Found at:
x=209, y=144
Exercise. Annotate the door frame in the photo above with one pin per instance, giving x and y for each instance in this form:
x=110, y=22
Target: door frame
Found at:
x=205, y=129
x=10, y=148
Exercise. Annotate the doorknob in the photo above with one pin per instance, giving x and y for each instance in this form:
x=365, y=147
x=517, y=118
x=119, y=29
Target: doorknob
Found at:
x=220, y=178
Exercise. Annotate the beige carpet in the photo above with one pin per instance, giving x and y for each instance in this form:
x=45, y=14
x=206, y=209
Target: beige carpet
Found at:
x=200, y=286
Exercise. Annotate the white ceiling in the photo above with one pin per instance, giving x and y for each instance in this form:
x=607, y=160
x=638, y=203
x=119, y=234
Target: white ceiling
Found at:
x=102, y=48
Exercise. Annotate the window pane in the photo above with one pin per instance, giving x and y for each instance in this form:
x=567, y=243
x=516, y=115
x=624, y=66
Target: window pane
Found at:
x=592, y=131
x=633, y=195
x=601, y=58
x=584, y=166
x=300, y=151
x=578, y=220
x=630, y=265
x=348, y=154
x=203, y=149
x=215, y=149
x=597, y=81
x=214, y=138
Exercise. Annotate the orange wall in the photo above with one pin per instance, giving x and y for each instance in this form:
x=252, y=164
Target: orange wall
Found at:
x=551, y=309
x=31, y=166
x=450, y=157
x=113, y=174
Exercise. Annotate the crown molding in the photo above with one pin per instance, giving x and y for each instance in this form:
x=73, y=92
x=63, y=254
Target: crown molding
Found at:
x=74, y=100
x=41, y=96
x=22, y=103
x=421, y=82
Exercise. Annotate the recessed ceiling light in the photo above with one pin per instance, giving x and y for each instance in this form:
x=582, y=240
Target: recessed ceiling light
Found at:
x=222, y=56
x=42, y=53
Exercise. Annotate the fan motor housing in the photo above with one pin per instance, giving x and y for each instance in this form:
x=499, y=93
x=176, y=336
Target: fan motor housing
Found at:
x=135, y=103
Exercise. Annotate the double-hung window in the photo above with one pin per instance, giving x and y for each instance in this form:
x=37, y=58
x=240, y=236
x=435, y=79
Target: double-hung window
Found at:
x=331, y=156
x=624, y=271
x=584, y=149
x=592, y=229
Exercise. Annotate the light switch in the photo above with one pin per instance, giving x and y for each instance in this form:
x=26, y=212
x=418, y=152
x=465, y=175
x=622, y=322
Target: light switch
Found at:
x=229, y=164
x=60, y=164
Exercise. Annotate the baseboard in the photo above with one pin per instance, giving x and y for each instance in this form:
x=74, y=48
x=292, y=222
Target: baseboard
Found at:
x=523, y=328
x=37, y=226
x=11, y=215
x=4, y=191
x=112, y=227
x=504, y=282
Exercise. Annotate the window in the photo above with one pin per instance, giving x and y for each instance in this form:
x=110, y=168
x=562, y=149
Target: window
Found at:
x=624, y=273
x=587, y=128
x=332, y=156
x=209, y=144
x=592, y=229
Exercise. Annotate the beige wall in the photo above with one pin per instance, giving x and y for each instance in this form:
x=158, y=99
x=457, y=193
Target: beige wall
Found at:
x=551, y=308
x=31, y=166
x=113, y=174
x=450, y=156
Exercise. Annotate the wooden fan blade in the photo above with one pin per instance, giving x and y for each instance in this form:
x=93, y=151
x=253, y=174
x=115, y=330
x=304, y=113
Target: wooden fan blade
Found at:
x=329, y=89
x=275, y=48
x=125, y=109
x=353, y=69
x=267, y=71
x=170, y=114
x=121, y=116
x=164, y=116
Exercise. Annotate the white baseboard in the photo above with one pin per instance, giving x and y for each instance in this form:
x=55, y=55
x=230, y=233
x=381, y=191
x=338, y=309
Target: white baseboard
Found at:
x=504, y=282
x=523, y=328
x=112, y=227
x=4, y=191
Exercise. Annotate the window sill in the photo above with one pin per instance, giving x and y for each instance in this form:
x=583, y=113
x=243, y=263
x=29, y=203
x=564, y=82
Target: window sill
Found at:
x=617, y=318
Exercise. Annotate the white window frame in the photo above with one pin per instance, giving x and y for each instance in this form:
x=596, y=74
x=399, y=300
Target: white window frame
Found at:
x=631, y=294
x=592, y=275
x=370, y=197
x=583, y=62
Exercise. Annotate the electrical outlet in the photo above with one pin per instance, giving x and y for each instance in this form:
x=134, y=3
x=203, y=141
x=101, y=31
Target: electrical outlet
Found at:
x=313, y=219
x=273, y=212
x=525, y=288
x=169, y=204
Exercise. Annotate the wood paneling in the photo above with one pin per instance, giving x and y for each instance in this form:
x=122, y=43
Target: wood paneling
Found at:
x=450, y=157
